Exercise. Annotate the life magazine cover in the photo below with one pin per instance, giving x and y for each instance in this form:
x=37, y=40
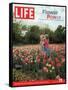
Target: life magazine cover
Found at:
x=37, y=44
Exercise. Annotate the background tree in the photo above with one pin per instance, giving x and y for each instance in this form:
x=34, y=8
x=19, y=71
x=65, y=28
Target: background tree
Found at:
x=33, y=35
x=16, y=32
x=24, y=27
x=59, y=34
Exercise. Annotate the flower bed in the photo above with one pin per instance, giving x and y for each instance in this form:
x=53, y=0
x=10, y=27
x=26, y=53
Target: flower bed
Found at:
x=33, y=64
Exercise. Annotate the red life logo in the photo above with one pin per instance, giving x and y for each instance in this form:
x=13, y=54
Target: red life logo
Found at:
x=24, y=12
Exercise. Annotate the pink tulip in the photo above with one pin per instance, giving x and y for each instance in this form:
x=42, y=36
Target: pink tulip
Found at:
x=56, y=59
x=26, y=60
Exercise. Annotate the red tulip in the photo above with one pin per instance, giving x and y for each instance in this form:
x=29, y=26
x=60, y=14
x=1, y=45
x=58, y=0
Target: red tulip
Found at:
x=52, y=63
x=38, y=59
x=49, y=60
x=44, y=61
x=56, y=59
x=63, y=60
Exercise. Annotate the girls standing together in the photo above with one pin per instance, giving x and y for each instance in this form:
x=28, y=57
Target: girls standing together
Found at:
x=44, y=42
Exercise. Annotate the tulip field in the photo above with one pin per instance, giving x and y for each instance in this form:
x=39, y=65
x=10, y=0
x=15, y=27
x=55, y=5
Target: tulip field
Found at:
x=30, y=63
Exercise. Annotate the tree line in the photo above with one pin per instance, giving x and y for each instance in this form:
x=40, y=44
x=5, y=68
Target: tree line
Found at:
x=32, y=35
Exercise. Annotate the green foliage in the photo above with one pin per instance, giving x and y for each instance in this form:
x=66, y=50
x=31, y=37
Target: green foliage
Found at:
x=16, y=32
x=24, y=27
x=60, y=34
x=63, y=70
x=32, y=36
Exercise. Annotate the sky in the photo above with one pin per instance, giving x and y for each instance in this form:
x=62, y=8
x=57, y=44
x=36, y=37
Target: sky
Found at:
x=41, y=19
